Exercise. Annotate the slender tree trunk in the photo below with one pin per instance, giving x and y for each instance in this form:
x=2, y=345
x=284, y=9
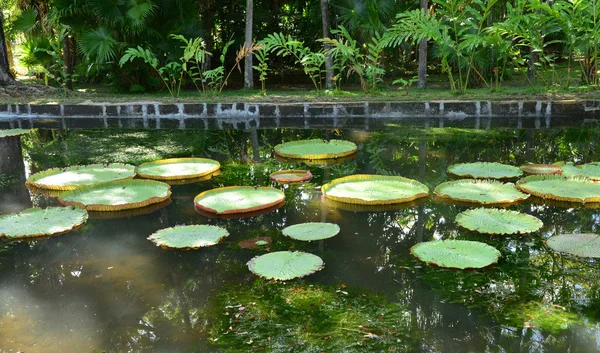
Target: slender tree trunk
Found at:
x=422, y=71
x=68, y=59
x=248, y=72
x=533, y=58
x=327, y=34
x=208, y=24
x=6, y=77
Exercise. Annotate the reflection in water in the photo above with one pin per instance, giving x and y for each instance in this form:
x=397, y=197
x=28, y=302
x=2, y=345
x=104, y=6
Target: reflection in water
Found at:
x=106, y=287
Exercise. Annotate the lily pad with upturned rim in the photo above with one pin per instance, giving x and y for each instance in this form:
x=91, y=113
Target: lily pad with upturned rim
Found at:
x=117, y=195
x=461, y=254
x=73, y=177
x=485, y=192
x=311, y=231
x=13, y=132
x=238, y=199
x=496, y=221
x=37, y=222
x=189, y=237
x=291, y=176
x=178, y=168
x=582, y=245
x=285, y=265
x=561, y=188
x=365, y=189
x=485, y=170
x=316, y=149
x=541, y=169
x=589, y=170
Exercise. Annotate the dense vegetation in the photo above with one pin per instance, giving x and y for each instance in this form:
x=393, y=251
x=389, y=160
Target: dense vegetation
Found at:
x=172, y=45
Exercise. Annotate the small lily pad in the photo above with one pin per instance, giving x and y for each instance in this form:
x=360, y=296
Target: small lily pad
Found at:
x=461, y=254
x=285, y=265
x=311, y=231
x=316, y=149
x=13, y=132
x=255, y=243
x=188, y=237
x=485, y=170
x=261, y=242
x=541, y=169
x=495, y=221
x=582, y=245
x=561, y=188
x=485, y=192
x=37, y=222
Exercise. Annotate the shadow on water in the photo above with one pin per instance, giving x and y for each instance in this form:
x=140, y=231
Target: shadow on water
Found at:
x=106, y=287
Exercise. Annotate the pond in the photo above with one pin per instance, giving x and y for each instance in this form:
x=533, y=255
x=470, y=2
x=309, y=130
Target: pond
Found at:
x=105, y=287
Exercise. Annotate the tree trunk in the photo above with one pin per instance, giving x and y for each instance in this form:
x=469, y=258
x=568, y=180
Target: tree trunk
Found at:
x=422, y=71
x=327, y=34
x=208, y=24
x=6, y=77
x=68, y=59
x=533, y=58
x=248, y=72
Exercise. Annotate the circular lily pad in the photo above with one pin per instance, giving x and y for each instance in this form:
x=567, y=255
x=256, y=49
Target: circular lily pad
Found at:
x=367, y=189
x=541, y=169
x=460, y=254
x=316, y=149
x=561, y=188
x=291, y=176
x=238, y=199
x=582, y=245
x=117, y=195
x=495, y=221
x=255, y=242
x=311, y=231
x=485, y=192
x=73, y=177
x=590, y=170
x=484, y=170
x=285, y=265
x=188, y=237
x=178, y=168
x=13, y=132
x=37, y=222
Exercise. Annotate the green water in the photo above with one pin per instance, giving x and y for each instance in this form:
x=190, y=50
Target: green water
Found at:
x=105, y=287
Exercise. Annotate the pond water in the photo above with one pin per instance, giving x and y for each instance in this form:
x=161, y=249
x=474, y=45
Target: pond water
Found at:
x=105, y=287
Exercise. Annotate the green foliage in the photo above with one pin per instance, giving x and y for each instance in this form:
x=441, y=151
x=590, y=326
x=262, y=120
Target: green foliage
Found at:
x=404, y=84
x=262, y=67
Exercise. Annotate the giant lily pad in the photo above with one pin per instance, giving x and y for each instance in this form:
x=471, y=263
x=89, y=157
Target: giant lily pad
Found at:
x=178, y=168
x=460, y=254
x=188, y=237
x=291, y=176
x=590, y=170
x=80, y=175
x=13, y=132
x=311, y=231
x=36, y=222
x=238, y=199
x=366, y=189
x=539, y=169
x=117, y=195
x=485, y=192
x=285, y=265
x=556, y=187
x=316, y=149
x=582, y=245
x=495, y=221
x=484, y=170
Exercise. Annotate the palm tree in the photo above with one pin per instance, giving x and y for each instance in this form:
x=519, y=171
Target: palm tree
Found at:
x=327, y=34
x=248, y=73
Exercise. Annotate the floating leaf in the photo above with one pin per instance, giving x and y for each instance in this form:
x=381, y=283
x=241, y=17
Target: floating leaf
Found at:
x=582, y=245
x=238, y=199
x=13, y=132
x=36, y=222
x=311, y=231
x=590, y=170
x=117, y=195
x=178, y=168
x=486, y=192
x=495, y=221
x=291, y=176
x=367, y=189
x=484, y=170
x=561, y=188
x=285, y=265
x=460, y=254
x=541, y=169
x=188, y=237
x=317, y=162
x=255, y=242
x=316, y=149
x=73, y=177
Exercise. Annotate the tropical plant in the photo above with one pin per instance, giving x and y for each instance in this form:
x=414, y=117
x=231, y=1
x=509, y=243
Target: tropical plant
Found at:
x=193, y=59
x=262, y=67
x=168, y=73
x=404, y=84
